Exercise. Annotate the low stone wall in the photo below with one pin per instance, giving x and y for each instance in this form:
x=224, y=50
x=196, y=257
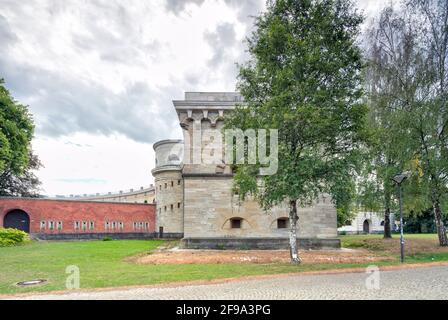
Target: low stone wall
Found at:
x=258, y=243
x=100, y=236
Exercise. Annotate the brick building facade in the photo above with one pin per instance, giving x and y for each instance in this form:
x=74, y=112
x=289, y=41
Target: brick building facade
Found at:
x=64, y=219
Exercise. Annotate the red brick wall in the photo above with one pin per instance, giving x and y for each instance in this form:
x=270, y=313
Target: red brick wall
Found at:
x=68, y=212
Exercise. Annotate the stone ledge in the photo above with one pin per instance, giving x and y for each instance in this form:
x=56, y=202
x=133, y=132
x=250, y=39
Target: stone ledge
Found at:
x=258, y=243
x=99, y=236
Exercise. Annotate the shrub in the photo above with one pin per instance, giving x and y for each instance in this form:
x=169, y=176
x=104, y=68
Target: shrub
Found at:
x=11, y=237
x=107, y=239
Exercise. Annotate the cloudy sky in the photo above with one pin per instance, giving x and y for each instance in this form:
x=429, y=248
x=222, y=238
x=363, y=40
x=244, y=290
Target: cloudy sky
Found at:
x=99, y=77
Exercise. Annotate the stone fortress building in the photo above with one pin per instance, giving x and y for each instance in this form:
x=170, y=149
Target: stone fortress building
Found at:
x=191, y=198
x=141, y=195
x=194, y=199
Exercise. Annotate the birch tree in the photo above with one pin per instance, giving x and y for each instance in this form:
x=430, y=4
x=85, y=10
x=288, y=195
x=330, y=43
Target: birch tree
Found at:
x=304, y=79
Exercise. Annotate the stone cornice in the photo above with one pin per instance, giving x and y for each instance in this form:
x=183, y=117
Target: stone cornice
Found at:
x=166, y=141
x=199, y=105
x=166, y=168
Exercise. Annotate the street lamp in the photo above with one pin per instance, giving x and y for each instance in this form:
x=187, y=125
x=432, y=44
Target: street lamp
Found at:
x=398, y=179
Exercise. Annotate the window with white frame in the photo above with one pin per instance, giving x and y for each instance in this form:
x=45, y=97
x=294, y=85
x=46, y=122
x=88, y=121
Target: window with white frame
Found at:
x=50, y=225
x=107, y=225
x=84, y=225
x=42, y=225
x=76, y=225
x=92, y=225
x=59, y=225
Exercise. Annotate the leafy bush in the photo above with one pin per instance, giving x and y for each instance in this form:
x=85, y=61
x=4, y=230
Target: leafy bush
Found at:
x=11, y=237
x=107, y=239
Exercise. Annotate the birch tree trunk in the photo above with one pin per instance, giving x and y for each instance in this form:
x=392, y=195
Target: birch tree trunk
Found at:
x=441, y=230
x=295, y=259
x=387, y=229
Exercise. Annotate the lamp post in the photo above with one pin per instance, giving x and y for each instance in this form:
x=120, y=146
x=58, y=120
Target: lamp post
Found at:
x=398, y=179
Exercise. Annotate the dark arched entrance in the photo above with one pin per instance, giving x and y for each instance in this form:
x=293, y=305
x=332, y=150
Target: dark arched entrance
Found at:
x=366, y=226
x=17, y=219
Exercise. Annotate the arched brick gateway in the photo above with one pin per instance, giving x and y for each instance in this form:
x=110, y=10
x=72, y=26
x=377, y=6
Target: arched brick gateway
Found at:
x=17, y=219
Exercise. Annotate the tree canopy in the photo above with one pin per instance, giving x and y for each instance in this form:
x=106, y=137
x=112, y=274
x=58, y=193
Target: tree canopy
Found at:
x=304, y=79
x=16, y=158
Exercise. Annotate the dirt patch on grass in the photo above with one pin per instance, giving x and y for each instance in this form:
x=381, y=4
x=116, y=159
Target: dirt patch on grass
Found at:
x=180, y=256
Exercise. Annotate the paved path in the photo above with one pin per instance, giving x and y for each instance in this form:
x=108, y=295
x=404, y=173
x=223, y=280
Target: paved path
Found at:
x=420, y=283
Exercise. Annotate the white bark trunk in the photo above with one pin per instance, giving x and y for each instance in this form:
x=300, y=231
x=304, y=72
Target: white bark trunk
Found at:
x=295, y=258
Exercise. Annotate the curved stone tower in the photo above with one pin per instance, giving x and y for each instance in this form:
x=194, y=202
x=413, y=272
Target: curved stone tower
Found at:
x=169, y=188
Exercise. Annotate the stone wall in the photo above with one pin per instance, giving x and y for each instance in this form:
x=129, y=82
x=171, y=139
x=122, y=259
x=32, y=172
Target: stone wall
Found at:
x=258, y=243
x=169, y=200
x=210, y=206
x=169, y=186
x=141, y=195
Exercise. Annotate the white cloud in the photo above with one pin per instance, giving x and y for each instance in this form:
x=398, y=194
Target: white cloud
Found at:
x=104, y=72
x=84, y=163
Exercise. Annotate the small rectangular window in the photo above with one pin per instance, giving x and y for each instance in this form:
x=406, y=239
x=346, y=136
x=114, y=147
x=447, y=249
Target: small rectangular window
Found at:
x=42, y=225
x=172, y=183
x=92, y=225
x=282, y=223
x=178, y=205
x=84, y=225
x=166, y=185
x=172, y=207
x=146, y=226
x=235, y=223
x=59, y=225
x=76, y=225
x=121, y=226
x=50, y=225
x=107, y=225
x=178, y=182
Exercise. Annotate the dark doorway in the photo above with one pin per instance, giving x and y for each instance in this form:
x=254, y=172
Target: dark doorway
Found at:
x=17, y=219
x=366, y=226
x=160, y=232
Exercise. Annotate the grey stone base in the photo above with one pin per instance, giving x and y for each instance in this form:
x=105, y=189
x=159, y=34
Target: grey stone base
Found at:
x=358, y=232
x=100, y=236
x=258, y=243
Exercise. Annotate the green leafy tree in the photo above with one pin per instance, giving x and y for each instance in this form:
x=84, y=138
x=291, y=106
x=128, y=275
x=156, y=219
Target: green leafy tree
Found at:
x=410, y=70
x=387, y=53
x=304, y=79
x=428, y=116
x=16, y=159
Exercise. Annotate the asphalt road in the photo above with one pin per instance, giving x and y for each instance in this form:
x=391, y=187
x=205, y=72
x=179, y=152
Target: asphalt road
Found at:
x=420, y=283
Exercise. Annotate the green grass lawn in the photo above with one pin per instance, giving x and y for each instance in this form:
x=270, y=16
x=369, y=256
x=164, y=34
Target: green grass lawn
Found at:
x=103, y=264
x=427, y=251
x=348, y=240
